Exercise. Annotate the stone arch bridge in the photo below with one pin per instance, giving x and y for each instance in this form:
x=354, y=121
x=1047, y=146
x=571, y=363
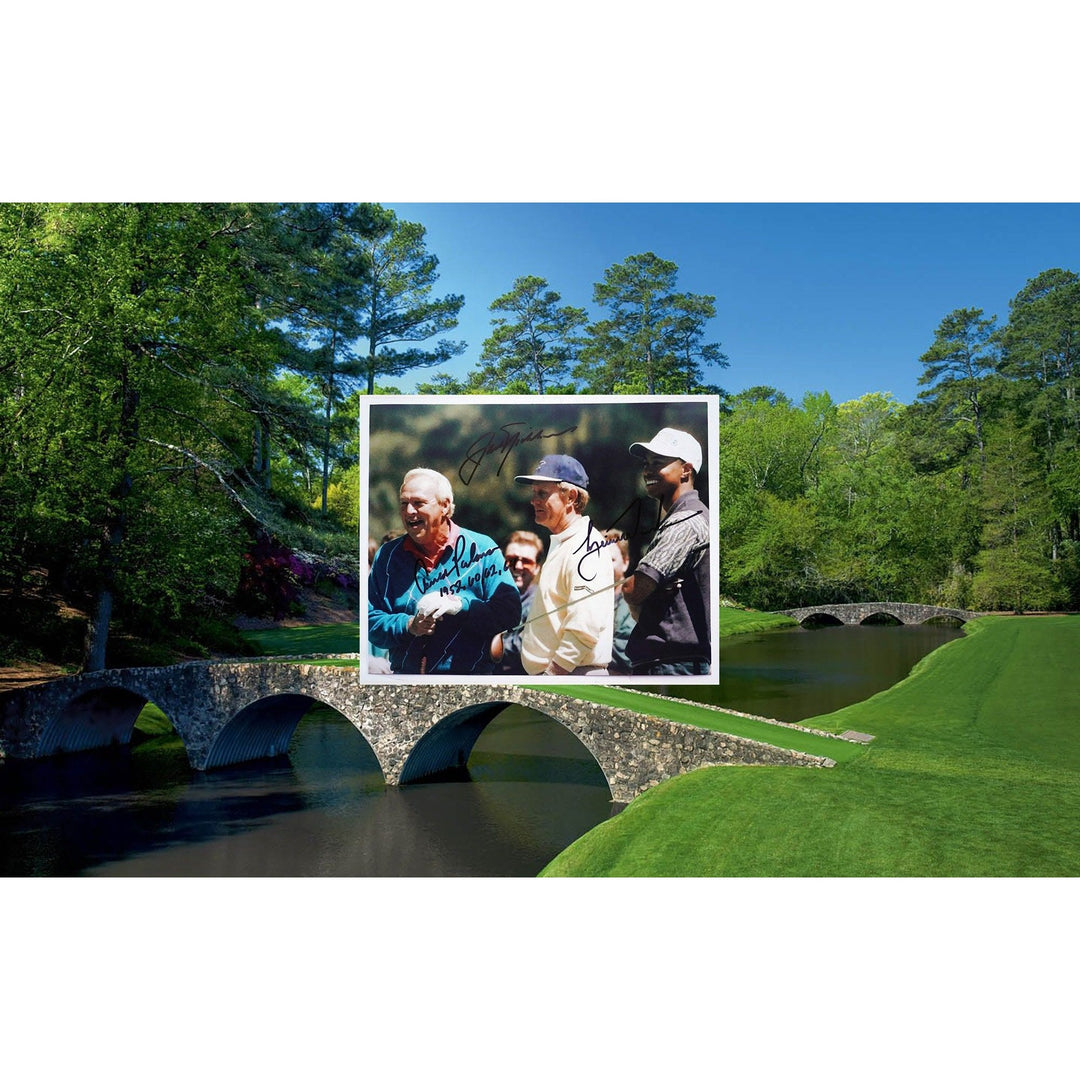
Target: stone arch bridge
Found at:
x=227, y=713
x=853, y=614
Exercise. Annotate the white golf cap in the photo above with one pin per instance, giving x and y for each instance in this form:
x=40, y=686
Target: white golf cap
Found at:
x=670, y=442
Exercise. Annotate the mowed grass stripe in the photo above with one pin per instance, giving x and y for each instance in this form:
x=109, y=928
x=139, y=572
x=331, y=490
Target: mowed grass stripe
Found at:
x=689, y=712
x=1010, y=688
x=975, y=772
x=306, y=640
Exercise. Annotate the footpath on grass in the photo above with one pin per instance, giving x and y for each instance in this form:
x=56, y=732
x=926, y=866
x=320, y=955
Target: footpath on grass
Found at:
x=974, y=772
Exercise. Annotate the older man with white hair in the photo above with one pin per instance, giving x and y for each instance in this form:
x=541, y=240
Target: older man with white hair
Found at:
x=438, y=594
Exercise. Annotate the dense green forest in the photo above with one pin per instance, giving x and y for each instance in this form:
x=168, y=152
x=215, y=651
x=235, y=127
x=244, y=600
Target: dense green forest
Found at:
x=178, y=407
x=180, y=387
x=179, y=402
x=969, y=496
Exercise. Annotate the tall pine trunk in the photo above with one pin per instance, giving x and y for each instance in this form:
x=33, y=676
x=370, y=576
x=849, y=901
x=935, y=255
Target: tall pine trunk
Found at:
x=115, y=528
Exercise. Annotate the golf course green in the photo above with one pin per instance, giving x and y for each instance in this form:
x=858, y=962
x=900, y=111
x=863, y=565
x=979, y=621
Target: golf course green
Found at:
x=974, y=772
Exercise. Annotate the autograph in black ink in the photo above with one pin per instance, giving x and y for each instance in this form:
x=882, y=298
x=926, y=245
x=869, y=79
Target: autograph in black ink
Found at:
x=464, y=555
x=594, y=547
x=504, y=440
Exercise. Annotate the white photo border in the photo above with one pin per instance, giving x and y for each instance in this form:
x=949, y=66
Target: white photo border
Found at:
x=710, y=403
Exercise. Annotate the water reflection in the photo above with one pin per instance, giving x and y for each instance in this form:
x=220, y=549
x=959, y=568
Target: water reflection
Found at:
x=795, y=674
x=530, y=788
x=323, y=810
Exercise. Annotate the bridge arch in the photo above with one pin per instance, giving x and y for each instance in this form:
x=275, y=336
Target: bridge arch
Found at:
x=881, y=618
x=449, y=743
x=820, y=620
x=856, y=614
x=101, y=716
x=263, y=728
x=230, y=712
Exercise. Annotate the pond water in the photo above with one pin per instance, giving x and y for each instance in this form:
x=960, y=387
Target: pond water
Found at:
x=798, y=673
x=529, y=791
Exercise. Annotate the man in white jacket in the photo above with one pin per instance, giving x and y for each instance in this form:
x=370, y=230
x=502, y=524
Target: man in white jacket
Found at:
x=571, y=622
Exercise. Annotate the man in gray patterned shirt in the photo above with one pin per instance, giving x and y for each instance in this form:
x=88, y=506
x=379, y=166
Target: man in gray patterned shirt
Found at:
x=669, y=589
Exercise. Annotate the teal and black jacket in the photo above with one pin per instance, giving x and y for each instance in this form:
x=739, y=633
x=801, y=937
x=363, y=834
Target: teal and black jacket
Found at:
x=473, y=569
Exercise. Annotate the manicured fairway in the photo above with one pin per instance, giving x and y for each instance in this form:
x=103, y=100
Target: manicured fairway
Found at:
x=306, y=640
x=975, y=771
x=733, y=621
x=688, y=712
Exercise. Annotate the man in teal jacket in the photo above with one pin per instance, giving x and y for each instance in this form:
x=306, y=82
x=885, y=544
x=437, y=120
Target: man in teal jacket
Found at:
x=440, y=593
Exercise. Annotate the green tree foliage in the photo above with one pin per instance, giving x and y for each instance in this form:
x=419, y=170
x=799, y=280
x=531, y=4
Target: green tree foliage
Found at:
x=1041, y=354
x=532, y=348
x=821, y=503
x=691, y=353
x=152, y=380
x=1013, y=570
x=344, y=497
x=399, y=307
x=330, y=283
x=652, y=339
x=629, y=350
x=444, y=383
x=1041, y=363
x=967, y=497
x=775, y=564
x=958, y=366
x=768, y=451
x=131, y=328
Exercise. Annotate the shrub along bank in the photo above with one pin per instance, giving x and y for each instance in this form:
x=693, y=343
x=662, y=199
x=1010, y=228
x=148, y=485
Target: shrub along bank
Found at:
x=974, y=771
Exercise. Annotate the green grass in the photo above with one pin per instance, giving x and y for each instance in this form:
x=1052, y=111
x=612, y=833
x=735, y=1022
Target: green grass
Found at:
x=306, y=640
x=344, y=637
x=152, y=721
x=974, y=772
x=689, y=712
x=739, y=621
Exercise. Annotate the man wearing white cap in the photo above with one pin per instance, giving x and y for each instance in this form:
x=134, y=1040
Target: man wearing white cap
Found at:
x=571, y=621
x=669, y=589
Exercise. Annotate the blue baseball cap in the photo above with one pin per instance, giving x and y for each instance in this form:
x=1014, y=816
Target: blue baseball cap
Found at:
x=558, y=467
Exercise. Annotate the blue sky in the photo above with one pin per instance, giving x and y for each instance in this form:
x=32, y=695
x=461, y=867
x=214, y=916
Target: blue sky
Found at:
x=843, y=297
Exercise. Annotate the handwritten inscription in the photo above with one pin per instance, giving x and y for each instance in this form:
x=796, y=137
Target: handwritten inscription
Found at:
x=595, y=542
x=640, y=518
x=455, y=574
x=592, y=548
x=502, y=441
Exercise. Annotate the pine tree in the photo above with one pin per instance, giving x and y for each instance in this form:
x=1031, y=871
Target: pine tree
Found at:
x=399, y=308
x=532, y=350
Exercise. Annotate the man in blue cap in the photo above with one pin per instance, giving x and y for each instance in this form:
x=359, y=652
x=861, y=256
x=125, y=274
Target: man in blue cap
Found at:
x=571, y=621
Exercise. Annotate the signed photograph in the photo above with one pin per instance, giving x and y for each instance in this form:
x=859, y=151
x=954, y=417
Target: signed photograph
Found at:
x=527, y=539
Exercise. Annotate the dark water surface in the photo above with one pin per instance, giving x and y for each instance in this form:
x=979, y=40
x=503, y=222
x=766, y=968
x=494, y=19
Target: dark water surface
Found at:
x=531, y=789
x=798, y=673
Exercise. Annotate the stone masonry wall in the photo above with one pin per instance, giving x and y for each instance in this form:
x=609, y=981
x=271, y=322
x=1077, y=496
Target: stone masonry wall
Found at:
x=853, y=614
x=634, y=750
